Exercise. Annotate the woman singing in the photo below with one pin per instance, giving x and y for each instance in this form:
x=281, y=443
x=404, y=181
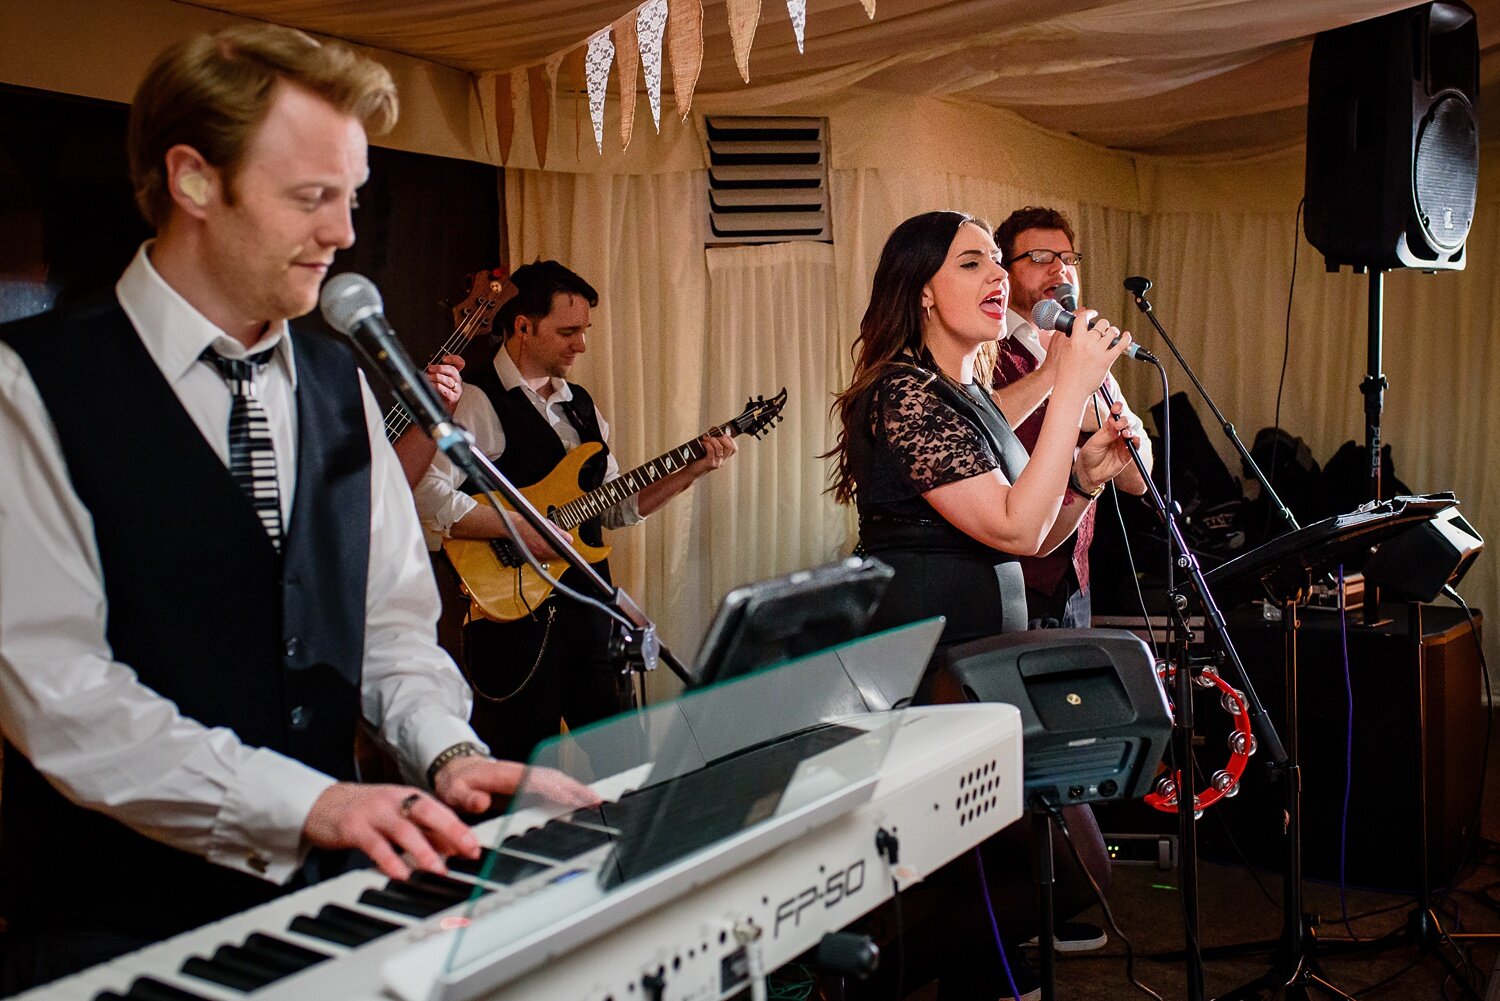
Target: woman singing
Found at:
x=945, y=491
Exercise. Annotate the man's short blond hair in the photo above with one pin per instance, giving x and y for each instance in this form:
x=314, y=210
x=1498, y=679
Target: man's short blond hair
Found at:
x=212, y=91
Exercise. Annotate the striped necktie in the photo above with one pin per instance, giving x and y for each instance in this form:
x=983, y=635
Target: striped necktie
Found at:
x=252, y=456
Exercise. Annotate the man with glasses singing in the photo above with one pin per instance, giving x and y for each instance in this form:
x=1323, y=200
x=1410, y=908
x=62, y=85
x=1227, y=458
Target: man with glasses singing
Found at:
x=1037, y=247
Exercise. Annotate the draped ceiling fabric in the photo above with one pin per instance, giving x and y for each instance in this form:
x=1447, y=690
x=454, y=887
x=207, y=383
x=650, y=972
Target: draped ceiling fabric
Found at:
x=1171, y=131
x=1201, y=78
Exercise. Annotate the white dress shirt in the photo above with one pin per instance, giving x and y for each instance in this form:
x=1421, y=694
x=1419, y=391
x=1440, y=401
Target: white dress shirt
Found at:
x=439, y=501
x=85, y=720
x=1021, y=330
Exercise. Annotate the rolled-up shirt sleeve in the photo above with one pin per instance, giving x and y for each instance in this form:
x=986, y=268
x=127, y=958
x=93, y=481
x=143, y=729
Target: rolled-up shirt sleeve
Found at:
x=84, y=720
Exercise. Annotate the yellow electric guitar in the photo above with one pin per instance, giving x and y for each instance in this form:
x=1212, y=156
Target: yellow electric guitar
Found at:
x=501, y=590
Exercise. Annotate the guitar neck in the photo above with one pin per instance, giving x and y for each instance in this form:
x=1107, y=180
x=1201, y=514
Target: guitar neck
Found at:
x=397, y=420
x=627, y=485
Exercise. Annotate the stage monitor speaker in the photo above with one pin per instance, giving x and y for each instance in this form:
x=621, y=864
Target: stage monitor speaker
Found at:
x=1393, y=139
x=1094, y=718
x=1418, y=563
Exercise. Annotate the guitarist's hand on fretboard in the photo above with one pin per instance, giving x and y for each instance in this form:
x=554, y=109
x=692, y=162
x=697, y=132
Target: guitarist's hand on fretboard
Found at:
x=445, y=378
x=716, y=448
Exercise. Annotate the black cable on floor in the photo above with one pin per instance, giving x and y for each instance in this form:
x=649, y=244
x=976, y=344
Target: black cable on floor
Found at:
x=1109, y=915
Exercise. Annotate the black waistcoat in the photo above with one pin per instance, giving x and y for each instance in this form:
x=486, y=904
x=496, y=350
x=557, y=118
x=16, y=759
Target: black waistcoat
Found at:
x=532, y=448
x=200, y=604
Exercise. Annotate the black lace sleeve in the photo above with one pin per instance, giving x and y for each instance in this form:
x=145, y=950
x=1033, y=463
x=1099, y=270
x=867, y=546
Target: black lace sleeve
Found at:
x=936, y=444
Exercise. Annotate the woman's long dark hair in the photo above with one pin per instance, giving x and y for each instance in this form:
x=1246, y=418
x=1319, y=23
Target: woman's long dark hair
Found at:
x=892, y=324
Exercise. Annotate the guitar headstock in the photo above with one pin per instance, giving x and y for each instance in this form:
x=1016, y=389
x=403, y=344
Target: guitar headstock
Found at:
x=760, y=415
x=476, y=314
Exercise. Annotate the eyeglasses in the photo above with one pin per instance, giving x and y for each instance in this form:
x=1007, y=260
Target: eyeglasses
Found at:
x=1048, y=256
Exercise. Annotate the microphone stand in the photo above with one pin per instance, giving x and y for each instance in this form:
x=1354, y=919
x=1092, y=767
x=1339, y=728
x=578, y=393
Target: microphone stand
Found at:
x=1185, y=561
x=640, y=643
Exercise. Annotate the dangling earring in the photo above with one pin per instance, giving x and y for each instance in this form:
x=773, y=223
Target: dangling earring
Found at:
x=927, y=312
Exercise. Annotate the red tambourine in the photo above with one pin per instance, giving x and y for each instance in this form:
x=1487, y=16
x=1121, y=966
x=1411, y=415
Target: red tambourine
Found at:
x=1226, y=781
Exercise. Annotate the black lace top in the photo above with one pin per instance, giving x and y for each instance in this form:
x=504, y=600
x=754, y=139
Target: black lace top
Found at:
x=935, y=445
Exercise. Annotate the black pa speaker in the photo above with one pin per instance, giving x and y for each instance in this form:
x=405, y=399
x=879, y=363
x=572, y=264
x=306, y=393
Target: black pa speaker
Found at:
x=1393, y=139
x=1093, y=715
x=1418, y=563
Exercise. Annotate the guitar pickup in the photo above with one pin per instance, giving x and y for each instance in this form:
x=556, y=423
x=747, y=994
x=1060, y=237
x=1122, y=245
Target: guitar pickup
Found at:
x=506, y=551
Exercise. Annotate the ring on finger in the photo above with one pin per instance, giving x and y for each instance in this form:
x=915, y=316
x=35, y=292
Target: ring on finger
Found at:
x=409, y=803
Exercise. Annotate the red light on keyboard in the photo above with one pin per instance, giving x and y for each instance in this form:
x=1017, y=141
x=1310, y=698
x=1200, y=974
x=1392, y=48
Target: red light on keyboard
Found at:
x=453, y=921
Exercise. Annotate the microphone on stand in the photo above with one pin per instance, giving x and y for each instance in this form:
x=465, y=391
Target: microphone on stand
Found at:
x=352, y=305
x=1049, y=314
x=1067, y=297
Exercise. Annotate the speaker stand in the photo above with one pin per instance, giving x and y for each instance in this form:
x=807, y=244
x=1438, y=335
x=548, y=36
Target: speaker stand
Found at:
x=1373, y=388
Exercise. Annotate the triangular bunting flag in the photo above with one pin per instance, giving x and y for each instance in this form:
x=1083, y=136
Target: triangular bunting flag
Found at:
x=869, y=8
x=541, y=110
x=798, y=11
x=650, y=24
x=744, y=17
x=627, y=58
x=505, y=114
x=685, y=49
x=600, y=55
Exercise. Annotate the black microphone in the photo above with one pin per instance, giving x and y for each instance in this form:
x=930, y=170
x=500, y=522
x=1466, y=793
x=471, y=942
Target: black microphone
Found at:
x=1137, y=285
x=1048, y=314
x=352, y=305
x=1067, y=297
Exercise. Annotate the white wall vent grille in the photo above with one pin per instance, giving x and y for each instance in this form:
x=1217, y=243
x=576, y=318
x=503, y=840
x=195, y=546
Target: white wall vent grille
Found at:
x=767, y=180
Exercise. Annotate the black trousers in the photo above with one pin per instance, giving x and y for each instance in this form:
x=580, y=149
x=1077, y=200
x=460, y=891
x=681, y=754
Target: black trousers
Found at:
x=530, y=675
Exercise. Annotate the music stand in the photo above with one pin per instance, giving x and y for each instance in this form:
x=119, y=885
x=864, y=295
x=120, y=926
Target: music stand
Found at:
x=1281, y=570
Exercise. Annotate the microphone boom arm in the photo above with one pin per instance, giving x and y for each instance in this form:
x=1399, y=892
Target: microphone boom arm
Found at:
x=1144, y=305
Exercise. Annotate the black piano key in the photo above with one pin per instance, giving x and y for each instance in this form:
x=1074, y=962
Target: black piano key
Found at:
x=287, y=955
x=342, y=926
x=454, y=889
x=504, y=869
x=405, y=900
x=224, y=974
x=234, y=957
x=558, y=840
x=151, y=989
x=588, y=815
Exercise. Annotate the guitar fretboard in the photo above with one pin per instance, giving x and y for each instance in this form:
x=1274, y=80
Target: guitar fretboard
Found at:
x=397, y=420
x=623, y=487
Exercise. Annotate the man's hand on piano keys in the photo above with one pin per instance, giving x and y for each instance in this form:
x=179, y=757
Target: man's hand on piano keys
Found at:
x=371, y=818
x=469, y=783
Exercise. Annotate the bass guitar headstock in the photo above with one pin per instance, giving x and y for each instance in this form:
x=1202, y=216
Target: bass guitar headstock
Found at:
x=476, y=314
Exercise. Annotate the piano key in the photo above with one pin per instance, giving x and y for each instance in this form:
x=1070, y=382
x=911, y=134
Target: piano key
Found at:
x=405, y=900
x=287, y=955
x=558, y=840
x=151, y=989
x=503, y=869
x=226, y=974
x=339, y=924
x=455, y=889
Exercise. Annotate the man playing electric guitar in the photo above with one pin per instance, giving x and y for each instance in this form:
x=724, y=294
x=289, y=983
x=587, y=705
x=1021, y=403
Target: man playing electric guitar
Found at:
x=553, y=663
